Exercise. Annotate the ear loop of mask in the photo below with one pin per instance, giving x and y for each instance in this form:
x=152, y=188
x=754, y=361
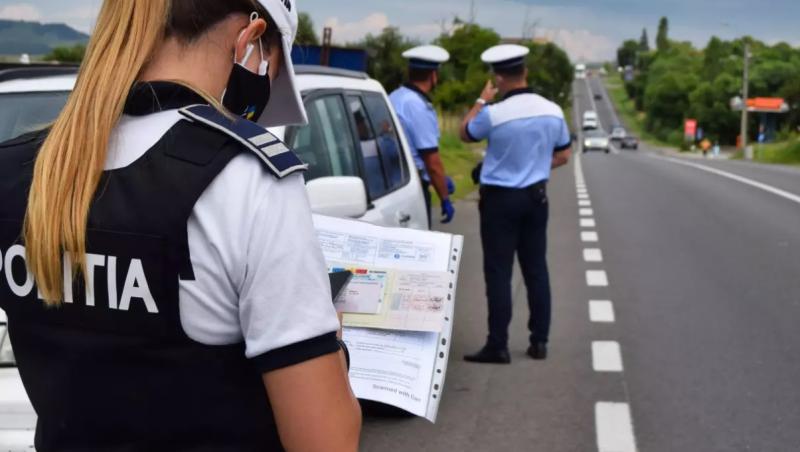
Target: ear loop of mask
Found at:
x=263, y=67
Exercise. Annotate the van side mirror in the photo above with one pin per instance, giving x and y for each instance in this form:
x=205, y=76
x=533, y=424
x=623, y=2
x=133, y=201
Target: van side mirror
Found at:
x=343, y=197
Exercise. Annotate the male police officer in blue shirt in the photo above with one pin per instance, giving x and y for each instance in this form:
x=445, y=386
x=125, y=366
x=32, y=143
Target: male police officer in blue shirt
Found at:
x=421, y=123
x=528, y=136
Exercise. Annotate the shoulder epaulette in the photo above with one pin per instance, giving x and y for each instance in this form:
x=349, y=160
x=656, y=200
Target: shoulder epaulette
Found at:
x=279, y=159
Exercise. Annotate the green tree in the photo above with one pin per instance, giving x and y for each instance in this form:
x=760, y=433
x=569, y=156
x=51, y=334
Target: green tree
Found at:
x=463, y=77
x=72, y=54
x=662, y=39
x=627, y=54
x=550, y=72
x=644, y=41
x=306, y=35
x=386, y=63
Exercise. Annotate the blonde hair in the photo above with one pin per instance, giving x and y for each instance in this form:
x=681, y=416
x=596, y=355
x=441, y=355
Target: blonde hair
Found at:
x=71, y=161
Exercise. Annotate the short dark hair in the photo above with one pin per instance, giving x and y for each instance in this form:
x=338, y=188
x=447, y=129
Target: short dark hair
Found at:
x=511, y=72
x=416, y=75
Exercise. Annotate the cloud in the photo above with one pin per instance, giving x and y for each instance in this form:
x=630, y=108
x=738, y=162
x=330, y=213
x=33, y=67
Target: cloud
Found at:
x=582, y=45
x=20, y=11
x=344, y=32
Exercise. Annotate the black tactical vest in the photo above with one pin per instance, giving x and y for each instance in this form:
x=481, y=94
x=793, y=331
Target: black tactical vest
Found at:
x=112, y=368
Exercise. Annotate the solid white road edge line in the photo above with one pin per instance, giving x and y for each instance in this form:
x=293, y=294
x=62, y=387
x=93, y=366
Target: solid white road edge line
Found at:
x=753, y=183
x=614, y=427
x=601, y=311
x=606, y=356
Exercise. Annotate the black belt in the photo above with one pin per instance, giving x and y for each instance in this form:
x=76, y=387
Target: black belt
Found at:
x=541, y=185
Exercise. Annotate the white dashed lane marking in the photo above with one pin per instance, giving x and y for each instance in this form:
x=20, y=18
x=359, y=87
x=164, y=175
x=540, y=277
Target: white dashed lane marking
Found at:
x=589, y=237
x=606, y=356
x=614, y=427
x=586, y=212
x=588, y=223
x=583, y=196
x=601, y=311
x=592, y=255
x=584, y=203
x=596, y=278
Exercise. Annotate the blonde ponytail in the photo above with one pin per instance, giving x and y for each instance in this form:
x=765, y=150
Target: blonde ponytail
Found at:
x=71, y=161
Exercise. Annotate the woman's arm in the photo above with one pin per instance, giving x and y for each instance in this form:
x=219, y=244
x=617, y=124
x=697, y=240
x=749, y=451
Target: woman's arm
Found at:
x=314, y=407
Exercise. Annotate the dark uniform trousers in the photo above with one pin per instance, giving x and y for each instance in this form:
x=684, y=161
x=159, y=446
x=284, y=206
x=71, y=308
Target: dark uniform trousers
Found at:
x=426, y=191
x=514, y=221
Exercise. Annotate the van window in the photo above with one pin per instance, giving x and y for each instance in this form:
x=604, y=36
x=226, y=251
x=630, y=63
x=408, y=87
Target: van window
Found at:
x=326, y=143
x=391, y=152
x=373, y=166
x=21, y=113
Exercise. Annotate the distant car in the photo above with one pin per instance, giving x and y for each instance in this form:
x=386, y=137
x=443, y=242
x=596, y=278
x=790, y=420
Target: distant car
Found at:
x=590, y=120
x=598, y=96
x=630, y=142
x=618, y=133
x=596, y=140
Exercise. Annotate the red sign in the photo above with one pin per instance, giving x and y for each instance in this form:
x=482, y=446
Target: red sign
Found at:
x=690, y=128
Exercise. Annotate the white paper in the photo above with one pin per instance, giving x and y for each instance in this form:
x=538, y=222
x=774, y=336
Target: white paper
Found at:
x=404, y=366
x=392, y=367
x=358, y=243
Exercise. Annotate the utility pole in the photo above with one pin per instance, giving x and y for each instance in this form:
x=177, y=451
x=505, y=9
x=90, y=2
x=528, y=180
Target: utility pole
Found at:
x=472, y=12
x=748, y=152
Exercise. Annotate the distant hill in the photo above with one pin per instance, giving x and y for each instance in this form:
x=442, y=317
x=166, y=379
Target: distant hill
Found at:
x=17, y=37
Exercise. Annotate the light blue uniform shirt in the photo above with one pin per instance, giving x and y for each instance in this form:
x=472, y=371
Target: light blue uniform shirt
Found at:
x=420, y=123
x=524, y=131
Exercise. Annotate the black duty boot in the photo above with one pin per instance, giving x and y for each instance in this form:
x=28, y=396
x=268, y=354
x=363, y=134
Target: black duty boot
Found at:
x=538, y=351
x=490, y=355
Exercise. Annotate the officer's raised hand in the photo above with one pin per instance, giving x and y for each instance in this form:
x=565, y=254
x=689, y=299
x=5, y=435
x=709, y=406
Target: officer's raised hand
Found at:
x=448, y=211
x=489, y=92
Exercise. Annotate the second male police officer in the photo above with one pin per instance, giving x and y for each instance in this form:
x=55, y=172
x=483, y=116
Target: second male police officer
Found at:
x=528, y=136
x=421, y=124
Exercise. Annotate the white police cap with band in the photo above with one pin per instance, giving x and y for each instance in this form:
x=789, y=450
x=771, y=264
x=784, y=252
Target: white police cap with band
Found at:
x=426, y=57
x=505, y=56
x=286, y=104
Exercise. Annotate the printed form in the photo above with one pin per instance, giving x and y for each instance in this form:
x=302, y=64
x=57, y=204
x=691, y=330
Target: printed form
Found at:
x=398, y=309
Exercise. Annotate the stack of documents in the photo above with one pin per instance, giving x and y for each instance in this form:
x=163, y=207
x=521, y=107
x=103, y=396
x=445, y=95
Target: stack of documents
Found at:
x=398, y=309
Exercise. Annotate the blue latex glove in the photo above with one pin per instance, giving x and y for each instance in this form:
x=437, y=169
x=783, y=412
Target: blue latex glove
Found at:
x=448, y=211
x=451, y=185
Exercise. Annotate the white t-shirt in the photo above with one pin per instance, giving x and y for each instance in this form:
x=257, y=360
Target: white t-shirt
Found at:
x=260, y=276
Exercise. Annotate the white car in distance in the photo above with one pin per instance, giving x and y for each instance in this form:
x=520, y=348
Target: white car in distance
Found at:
x=360, y=167
x=590, y=120
x=596, y=140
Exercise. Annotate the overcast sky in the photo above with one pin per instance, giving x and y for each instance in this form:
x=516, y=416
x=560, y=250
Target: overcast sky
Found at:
x=588, y=29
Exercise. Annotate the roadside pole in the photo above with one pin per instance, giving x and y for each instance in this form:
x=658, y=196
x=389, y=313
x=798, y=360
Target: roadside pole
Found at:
x=748, y=152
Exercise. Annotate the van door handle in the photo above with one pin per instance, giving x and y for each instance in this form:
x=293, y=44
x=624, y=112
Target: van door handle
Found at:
x=403, y=218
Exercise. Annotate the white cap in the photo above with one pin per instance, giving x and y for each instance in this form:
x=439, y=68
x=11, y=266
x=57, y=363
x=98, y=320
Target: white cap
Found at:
x=505, y=56
x=286, y=104
x=426, y=57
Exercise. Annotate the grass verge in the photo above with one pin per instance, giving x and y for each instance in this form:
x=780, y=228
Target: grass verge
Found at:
x=459, y=159
x=785, y=153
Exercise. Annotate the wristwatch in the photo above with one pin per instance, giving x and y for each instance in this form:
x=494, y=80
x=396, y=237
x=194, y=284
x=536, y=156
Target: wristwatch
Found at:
x=481, y=101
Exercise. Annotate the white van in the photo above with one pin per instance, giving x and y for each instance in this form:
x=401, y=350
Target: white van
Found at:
x=359, y=167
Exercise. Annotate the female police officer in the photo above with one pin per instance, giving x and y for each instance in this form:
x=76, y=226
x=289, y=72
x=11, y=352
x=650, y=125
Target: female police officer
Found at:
x=177, y=298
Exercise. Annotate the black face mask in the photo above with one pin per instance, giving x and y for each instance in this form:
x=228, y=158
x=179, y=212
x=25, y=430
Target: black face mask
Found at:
x=248, y=94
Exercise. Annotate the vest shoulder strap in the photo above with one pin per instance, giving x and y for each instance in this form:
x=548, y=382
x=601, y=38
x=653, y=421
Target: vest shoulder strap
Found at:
x=278, y=158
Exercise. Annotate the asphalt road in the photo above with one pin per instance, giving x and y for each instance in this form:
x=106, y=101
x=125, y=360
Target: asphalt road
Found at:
x=701, y=266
